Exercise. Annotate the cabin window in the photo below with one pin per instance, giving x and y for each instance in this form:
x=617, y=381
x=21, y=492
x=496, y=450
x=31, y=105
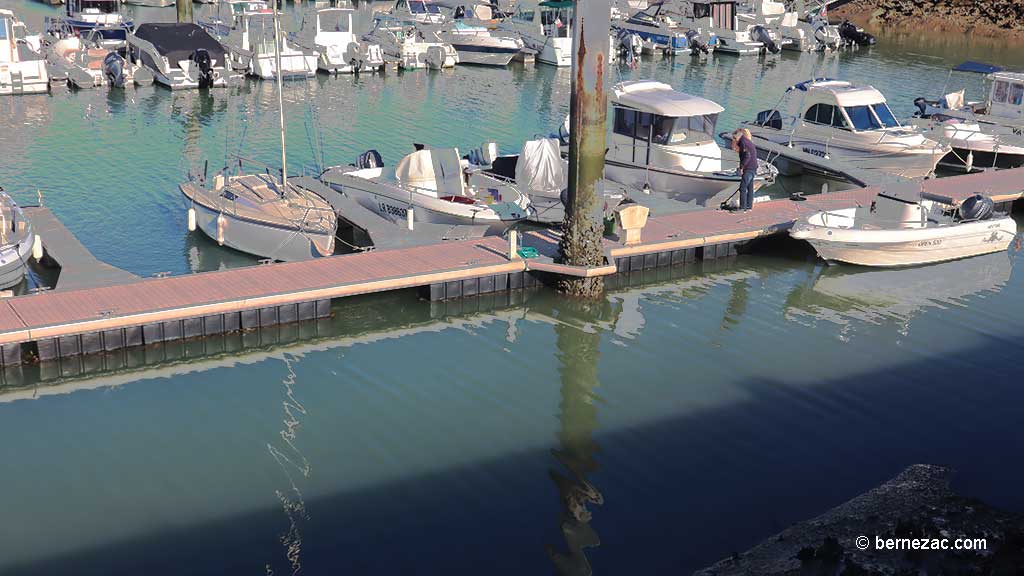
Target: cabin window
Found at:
x=701, y=11
x=1016, y=94
x=1000, y=90
x=334, y=22
x=820, y=114
x=862, y=118
x=3, y=30
x=525, y=15
x=885, y=115
x=625, y=120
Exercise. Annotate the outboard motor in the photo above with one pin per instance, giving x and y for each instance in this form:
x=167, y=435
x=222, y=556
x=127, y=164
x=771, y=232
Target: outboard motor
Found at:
x=201, y=58
x=370, y=159
x=760, y=34
x=113, y=69
x=976, y=207
x=922, y=106
x=460, y=12
x=696, y=44
x=853, y=35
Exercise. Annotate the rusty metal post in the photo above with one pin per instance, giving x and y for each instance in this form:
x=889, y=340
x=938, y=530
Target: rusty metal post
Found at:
x=184, y=8
x=588, y=111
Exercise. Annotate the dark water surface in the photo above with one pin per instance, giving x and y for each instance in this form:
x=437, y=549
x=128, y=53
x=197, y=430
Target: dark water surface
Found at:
x=686, y=416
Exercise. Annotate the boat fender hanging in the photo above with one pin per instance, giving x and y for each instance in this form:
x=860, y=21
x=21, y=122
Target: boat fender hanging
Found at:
x=191, y=219
x=37, y=247
x=222, y=224
x=970, y=161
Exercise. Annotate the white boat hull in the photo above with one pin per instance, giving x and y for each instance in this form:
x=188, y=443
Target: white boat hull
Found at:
x=909, y=163
x=907, y=247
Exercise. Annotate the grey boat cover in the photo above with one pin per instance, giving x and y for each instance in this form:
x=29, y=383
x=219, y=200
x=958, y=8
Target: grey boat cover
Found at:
x=177, y=42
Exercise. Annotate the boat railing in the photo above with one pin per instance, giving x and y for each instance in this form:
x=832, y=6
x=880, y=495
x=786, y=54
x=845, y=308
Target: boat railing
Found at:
x=701, y=158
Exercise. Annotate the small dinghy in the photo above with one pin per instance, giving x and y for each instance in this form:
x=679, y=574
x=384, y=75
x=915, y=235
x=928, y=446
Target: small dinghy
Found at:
x=904, y=226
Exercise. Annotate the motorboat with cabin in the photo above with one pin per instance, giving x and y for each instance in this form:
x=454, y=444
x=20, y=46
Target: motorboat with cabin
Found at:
x=22, y=66
x=330, y=33
x=416, y=12
x=663, y=142
x=180, y=55
x=973, y=146
x=721, y=19
x=261, y=213
x=18, y=242
x=830, y=118
x=1002, y=111
x=658, y=32
x=248, y=36
x=904, y=226
x=545, y=28
x=430, y=185
x=83, y=15
x=412, y=47
x=802, y=28
x=477, y=42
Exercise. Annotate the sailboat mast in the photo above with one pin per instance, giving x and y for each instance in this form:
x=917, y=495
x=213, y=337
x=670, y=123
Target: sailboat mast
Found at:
x=280, y=95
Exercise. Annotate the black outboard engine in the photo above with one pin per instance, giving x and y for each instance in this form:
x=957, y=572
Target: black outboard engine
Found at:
x=853, y=35
x=696, y=44
x=113, y=69
x=370, y=159
x=460, y=12
x=922, y=105
x=760, y=34
x=976, y=207
x=202, y=59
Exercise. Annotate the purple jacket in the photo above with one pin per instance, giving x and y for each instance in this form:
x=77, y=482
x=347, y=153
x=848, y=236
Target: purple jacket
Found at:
x=748, y=154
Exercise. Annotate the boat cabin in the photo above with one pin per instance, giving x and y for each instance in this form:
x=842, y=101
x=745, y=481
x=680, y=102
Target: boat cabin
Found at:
x=422, y=11
x=328, y=21
x=1006, y=95
x=722, y=14
x=94, y=11
x=844, y=106
x=553, y=16
x=656, y=125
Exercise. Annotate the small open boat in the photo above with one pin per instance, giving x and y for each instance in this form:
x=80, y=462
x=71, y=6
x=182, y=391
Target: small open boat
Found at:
x=16, y=242
x=904, y=226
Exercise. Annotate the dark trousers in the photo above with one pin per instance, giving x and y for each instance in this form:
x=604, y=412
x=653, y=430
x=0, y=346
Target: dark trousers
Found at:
x=747, y=190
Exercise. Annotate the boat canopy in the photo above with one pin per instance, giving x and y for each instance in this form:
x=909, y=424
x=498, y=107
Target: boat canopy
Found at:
x=433, y=169
x=540, y=167
x=178, y=41
x=659, y=98
x=845, y=93
x=977, y=67
x=558, y=4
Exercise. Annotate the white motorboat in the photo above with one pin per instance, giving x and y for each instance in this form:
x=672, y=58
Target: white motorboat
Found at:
x=807, y=29
x=545, y=28
x=412, y=47
x=261, y=214
x=17, y=242
x=905, y=227
x=22, y=67
x=330, y=33
x=477, y=44
x=836, y=119
x=94, y=59
x=973, y=146
x=84, y=15
x=180, y=55
x=435, y=186
x=1002, y=111
x=663, y=141
x=659, y=33
x=416, y=12
x=248, y=35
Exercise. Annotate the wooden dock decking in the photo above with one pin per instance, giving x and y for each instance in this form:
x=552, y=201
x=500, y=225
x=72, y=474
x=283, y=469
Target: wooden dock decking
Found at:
x=124, y=310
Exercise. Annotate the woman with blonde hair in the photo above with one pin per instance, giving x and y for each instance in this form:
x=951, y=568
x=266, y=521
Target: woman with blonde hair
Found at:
x=743, y=143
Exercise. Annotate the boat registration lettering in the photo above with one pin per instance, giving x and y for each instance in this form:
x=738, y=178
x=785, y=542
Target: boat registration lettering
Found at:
x=934, y=242
x=812, y=151
x=392, y=210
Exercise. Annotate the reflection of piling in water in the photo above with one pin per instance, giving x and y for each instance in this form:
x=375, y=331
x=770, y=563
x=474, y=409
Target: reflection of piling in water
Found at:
x=578, y=352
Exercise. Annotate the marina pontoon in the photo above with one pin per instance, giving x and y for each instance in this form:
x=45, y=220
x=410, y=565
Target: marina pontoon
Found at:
x=836, y=119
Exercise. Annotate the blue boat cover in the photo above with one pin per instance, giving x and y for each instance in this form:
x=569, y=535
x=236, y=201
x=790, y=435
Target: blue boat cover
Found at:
x=978, y=67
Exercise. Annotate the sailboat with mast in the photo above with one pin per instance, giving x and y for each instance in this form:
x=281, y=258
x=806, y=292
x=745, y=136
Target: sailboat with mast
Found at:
x=260, y=213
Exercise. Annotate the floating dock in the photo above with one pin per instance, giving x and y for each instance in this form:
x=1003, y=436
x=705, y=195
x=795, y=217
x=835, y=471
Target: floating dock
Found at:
x=108, y=309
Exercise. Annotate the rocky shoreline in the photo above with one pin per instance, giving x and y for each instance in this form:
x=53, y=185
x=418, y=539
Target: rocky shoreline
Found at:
x=988, y=18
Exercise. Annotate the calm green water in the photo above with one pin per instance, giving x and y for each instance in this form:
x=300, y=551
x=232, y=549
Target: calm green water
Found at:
x=687, y=415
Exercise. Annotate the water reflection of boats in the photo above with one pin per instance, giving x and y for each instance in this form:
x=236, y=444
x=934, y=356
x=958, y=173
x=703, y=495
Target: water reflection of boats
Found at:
x=840, y=294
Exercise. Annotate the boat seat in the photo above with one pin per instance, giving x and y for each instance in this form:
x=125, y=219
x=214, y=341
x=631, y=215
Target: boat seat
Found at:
x=97, y=53
x=95, y=65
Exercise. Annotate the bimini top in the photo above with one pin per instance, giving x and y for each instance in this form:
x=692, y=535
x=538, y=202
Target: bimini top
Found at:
x=659, y=98
x=177, y=42
x=844, y=93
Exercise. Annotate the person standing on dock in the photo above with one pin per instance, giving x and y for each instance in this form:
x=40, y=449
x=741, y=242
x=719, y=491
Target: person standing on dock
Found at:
x=744, y=145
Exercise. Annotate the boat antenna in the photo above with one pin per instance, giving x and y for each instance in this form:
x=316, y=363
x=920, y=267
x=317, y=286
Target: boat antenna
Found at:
x=280, y=96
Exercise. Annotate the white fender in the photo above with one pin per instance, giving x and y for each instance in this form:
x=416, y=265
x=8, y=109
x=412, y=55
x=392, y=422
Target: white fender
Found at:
x=970, y=160
x=409, y=218
x=191, y=219
x=37, y=247
x=222, y=224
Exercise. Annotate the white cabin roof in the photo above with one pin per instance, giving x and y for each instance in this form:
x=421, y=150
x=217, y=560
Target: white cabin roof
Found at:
x=845, y=93
x=1017, y=77
x=659, y=98
x=4, y=12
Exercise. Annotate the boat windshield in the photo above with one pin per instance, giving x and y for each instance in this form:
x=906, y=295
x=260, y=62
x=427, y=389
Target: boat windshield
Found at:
x=862, y=118
x=104, y=6
x=334, y=22
x=695, y=129
x=423, y=8
x=1005, y=92
x=885, y=115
